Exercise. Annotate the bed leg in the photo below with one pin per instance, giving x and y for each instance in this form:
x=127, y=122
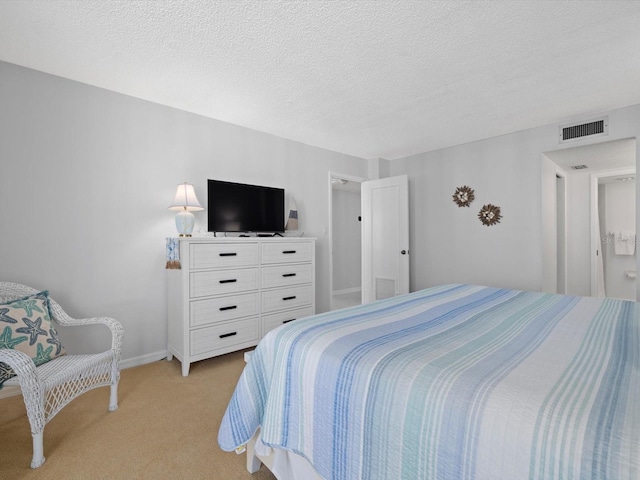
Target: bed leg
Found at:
x=253, y=462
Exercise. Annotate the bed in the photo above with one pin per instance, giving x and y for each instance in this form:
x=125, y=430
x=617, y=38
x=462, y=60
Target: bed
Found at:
x=451, y=382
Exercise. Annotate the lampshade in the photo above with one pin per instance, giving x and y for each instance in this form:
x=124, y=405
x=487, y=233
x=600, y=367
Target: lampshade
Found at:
x=186, y=199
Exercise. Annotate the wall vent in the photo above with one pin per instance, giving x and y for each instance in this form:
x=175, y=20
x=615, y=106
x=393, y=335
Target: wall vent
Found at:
x=595, y=127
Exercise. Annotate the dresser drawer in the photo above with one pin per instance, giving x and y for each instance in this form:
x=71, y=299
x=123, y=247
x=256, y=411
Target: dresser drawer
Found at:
x=223, y=255
x=286, y=298
x=224, y=335
x=283, y=275
x=203, y=312
x=217, y=282
x=287, y=252
x=269, y=322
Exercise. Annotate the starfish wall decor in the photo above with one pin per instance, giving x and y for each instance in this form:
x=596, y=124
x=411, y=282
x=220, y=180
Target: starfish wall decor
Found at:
x=489, y=215
x=463, y=196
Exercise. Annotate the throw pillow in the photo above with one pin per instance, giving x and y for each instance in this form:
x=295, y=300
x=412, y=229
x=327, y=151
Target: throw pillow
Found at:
x=25, y=325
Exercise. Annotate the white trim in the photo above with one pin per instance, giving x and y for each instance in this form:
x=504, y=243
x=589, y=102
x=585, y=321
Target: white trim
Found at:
x=562, y=174
x=13, y=390
x=344, y=291
x=143, y=359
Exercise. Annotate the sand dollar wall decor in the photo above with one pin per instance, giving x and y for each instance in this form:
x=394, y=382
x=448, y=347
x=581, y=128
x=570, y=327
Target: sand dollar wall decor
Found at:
x=489, y=215
x=463, y=196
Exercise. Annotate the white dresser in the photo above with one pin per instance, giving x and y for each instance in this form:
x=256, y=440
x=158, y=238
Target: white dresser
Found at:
x=231, y=291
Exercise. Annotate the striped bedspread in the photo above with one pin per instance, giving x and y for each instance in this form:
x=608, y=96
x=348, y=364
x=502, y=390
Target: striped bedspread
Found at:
x=452, y=382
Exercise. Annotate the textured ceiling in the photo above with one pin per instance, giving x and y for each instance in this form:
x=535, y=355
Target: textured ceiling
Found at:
x=369, y=78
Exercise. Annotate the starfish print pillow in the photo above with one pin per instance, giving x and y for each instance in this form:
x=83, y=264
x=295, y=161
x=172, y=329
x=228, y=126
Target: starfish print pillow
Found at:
x=25, y=325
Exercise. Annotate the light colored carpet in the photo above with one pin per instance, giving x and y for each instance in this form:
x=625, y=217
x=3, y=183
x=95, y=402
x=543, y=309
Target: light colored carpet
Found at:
x=166, y=427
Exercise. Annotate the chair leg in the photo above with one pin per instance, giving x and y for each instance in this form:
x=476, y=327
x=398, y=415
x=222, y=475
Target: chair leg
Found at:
x=38, y=450
x=113, y=400
x=33, y=396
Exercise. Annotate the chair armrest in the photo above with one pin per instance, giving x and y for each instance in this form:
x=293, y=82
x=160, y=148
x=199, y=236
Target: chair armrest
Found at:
x=22, y=366
x=117, y=332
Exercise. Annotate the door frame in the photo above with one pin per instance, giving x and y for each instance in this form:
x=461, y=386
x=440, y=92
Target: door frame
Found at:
x=330, y=232
x=561, y=250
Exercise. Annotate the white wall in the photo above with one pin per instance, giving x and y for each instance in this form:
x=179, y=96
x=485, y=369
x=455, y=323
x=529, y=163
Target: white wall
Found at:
x=620, y=206
x=579, y=233
x=449, y=244
x=378, y=168
x=347, y=240
x=87, y=175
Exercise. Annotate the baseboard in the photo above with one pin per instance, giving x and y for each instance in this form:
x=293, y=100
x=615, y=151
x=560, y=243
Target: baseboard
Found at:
x=347, y=290
x=143, y=359
x=11, y=391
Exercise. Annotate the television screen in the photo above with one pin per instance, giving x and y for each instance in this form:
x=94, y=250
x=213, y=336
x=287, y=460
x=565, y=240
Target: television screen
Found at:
x=236, y=207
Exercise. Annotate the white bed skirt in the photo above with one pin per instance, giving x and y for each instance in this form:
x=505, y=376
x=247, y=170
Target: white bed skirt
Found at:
x=284, y=464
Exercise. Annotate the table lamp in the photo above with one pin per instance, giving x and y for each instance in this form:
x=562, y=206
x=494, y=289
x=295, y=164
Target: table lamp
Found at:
x=185, y=202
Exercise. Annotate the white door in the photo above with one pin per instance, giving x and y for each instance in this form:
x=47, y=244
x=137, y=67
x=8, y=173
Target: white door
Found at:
x=385, y=238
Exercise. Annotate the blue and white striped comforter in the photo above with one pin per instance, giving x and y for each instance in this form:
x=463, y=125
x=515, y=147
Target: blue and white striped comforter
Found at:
x=452, y=382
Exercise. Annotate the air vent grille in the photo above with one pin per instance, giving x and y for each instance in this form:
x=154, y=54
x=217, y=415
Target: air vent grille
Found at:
x=578, y=167
x=596, y=127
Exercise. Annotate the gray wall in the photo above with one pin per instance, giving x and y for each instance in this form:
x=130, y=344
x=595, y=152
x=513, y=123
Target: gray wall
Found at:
x=87, y=175
x=449, y=244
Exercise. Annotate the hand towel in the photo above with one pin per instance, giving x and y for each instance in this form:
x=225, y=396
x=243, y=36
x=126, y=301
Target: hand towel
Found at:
x=624, y=243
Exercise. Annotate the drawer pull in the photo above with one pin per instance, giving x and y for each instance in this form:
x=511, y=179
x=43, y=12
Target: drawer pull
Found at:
x=230, y=307
x=231, y=334
x=287, y=321
x=288, y=274
x=229, y=254
x=231, y=280
x=289, y=298
x=288, y=251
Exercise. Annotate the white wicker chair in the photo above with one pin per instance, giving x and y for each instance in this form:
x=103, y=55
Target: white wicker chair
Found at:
x=48, y=388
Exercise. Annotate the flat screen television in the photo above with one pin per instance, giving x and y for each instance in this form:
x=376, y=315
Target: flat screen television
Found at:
x=236, y=207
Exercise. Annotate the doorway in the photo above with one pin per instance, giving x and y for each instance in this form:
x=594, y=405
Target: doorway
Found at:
x=572, y=264
x=345, y=240
x=613, y=230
